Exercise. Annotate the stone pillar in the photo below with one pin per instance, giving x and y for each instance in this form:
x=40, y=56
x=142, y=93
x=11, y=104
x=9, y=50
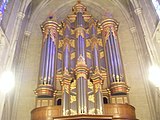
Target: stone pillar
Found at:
x=147, y=35
x=2, y=96
x=144, y=65
x=15, y=35
x=152, y=53
x=19, y=71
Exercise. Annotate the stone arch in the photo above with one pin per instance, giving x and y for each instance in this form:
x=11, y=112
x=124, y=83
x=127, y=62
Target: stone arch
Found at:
x=44, y=3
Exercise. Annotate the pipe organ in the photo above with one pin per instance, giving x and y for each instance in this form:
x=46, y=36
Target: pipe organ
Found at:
x=81, y=72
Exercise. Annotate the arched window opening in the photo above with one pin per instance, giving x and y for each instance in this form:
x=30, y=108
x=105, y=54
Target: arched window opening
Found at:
x=3, y=5
x=59, y=102
x=105, y=100
x=156, y=4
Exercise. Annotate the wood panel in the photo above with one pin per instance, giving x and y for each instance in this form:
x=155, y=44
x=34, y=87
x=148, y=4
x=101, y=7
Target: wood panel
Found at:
x=45, y=113
x=120, y=111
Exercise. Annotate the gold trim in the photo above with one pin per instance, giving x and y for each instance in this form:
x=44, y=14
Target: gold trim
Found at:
x=72, y=99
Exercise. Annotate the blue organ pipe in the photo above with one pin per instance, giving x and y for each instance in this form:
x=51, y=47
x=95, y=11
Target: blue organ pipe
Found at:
x=66, y=54
x=78, y=47
x=93, y=31
x=83, y=47
x=119, y=58
x=95, y=50
x=111, y=57
x=47, y=58
x=95, y=57
x=109, y=62
x=82, y=96
x=114, y=55
x=42, y=60
x=79, y=95
x=50, y=61
x=79, y=19
x=53, y=62
x=67, y=57
x=114, y=61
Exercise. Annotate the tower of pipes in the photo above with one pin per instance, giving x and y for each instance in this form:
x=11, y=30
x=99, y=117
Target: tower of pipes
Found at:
x=81, y=72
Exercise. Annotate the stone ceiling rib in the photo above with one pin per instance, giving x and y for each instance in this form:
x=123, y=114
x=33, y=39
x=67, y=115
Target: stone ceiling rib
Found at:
x=96, y=8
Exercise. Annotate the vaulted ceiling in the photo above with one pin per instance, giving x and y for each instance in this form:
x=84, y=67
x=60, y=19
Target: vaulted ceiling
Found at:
x=41, y=9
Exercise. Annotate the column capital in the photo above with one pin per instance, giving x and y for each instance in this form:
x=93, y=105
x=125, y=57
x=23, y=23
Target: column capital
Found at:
x=20, y=15
x=50, y=24
x=138, y=11
x=50, y=27
x=133, y=29
x=109, y=23
x=27, y=33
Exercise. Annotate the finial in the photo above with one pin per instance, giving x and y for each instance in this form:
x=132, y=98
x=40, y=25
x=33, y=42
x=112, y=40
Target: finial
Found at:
x=78, y=1
x=50, y=16
x=81, y=60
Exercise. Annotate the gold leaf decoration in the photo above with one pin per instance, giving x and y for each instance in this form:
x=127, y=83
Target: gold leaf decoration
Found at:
x=73, y=112
x=73, y=55
x=72, y=31
x=60, y=56
x=92, y=111
x=88, y=42
x=87, y=31
x=100, y=42
x=90, y=85
x=60, y=43
x=101, y=54
x=98, y=31
x=72, y=42
x=61, y=32
x=88, y=55
x=73, y=85
x=73, y=98
x=91, y=98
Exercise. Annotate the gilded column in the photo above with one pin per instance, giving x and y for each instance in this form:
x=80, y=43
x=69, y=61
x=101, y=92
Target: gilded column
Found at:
x=96, y=77
x=48, y=56
x=116, y=74
x=15, y=35
x=147, y=34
